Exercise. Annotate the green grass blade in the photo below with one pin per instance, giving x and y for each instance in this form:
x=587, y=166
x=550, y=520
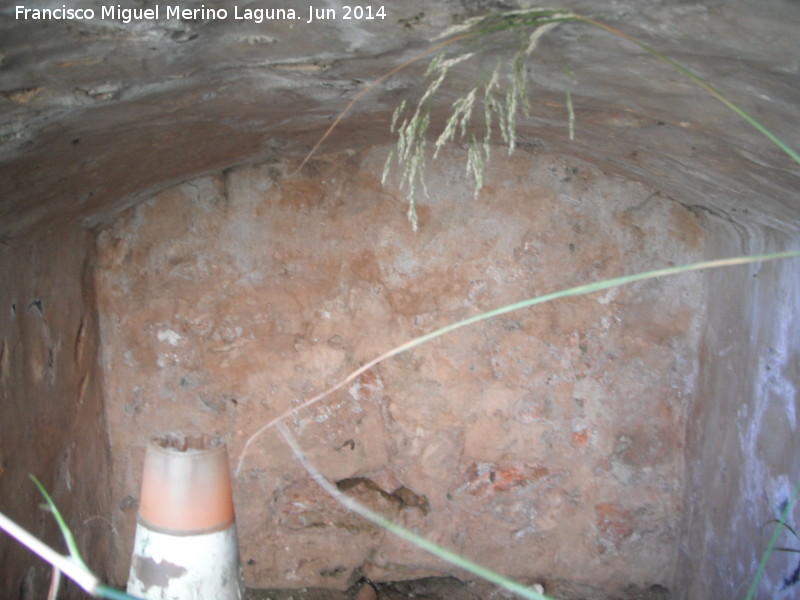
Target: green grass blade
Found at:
x=701, y=82
x=589, y=288
x=574, y=291
x=105, y=591
x=773, y=542
x=72, y=546
x=67, y=565
x=73, y=565
x=449, y=555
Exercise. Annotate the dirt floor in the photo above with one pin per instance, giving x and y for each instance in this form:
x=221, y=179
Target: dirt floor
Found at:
x=449, y=588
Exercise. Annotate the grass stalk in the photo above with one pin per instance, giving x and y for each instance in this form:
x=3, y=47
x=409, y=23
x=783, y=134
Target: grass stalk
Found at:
x=73, y=565
x=403, y=533
x=773, y=541
x=541, y=21
x=66, y=564
x=444, y=553
x=571, y=116
x=55, y=581
x=69, y=539
x=700, y=81
x=375, y=84
x=579, y=290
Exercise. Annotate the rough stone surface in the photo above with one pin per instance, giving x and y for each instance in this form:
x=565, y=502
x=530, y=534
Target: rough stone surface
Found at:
x=51, y=405
x=98, y=117
x=553, y=435
x=450, y=588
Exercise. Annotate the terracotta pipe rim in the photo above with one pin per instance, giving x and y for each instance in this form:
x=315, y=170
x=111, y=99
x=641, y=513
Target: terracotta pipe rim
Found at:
x=186, y=485
x=183, y=532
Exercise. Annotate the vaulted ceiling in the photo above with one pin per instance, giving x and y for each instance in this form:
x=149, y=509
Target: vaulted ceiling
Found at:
x=97, y=113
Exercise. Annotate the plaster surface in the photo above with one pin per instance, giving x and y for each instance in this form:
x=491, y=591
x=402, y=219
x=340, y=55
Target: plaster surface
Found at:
x=546, y=443
x=742, y=448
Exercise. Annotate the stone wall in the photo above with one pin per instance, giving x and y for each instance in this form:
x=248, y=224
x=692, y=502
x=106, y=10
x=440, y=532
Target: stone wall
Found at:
x=743, y=445
x=546, y=443
x=643, y=435
x=51, y=412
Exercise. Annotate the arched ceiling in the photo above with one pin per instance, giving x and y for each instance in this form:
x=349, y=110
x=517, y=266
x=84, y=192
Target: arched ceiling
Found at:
x=96, y=114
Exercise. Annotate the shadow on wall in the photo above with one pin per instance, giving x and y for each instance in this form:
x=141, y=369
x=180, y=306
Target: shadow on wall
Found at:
x=52, y=421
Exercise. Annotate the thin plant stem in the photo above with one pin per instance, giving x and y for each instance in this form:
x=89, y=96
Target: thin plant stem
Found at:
x=413, y=60
x=69, y=539
x=72, y=566
x=558, y=19
x=571, y=116
x=573, y=291
x=773, y=541
x=105, y=591
x=55, y=581
x=700, y=81
x=400, y=531
x=375, y=84
x=66, y=564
